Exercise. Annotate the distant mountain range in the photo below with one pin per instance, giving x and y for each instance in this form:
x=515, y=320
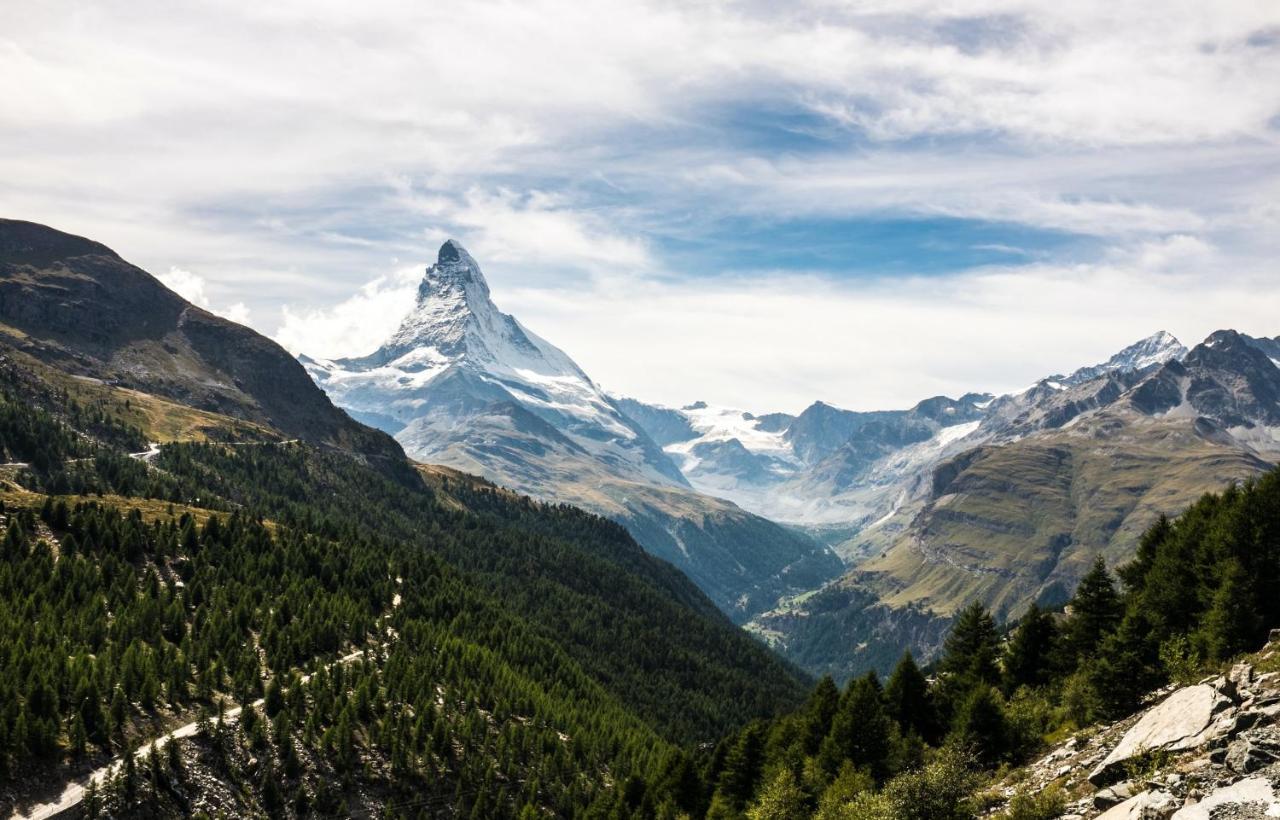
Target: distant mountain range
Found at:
x=1015, y=510
x=462, y=384
x=1007, y=498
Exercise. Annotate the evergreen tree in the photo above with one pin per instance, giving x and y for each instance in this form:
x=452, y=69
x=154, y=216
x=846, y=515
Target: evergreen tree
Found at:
x=971, y=650
x=1095, y=612
x=860, y=731
x=1028, y=658
x=273, y=702
x=1232, y=620
x=780, y=799
x=819, y=711
x=742, y=765
x=980, y=726
x=1126, y=667
x=907, y=699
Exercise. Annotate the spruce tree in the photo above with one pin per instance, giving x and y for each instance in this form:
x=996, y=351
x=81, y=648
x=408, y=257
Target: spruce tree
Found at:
x=980, y=726
x=907, y=700
x=819, y=712
x=860, y=731
x=780, y=799
x=1126, y=666
x=1095, y=612
x=1232, y=622
x=972, y=648
x=741, y=770
x=1028, y=659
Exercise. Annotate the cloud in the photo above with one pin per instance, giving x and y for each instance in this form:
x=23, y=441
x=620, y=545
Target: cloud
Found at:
x=536, y=229
x=354, y=326
x=784, y=339
x=237, y=312
x=191, y=286
x=780, y=342
x=291, y=152
x=186, y=284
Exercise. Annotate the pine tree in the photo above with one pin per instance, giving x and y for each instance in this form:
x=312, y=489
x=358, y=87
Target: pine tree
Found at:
x=971, y=650
x=1028, y=659
x=980, y=726
x=1126, y=666
x=741, y=770
x=780, y=799
x=819, y=711
x=274, y=700
x=1232, y=620
x=907, y=700
x=860, y=731
x=1095, y=612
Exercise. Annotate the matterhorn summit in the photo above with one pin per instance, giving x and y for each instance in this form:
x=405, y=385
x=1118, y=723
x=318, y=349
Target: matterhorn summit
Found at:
x=454, y=321
x=456, y=355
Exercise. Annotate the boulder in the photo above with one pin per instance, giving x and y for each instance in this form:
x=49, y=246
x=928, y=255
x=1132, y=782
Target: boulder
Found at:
x=1187, y=719
x=1149, y=805
x=1244, y=756
x=1250, y=791
x=1241, y=674
x=1113, y=796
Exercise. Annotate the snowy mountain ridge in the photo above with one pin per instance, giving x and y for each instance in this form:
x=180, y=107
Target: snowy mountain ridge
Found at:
x=455, y=339
x=830, y=466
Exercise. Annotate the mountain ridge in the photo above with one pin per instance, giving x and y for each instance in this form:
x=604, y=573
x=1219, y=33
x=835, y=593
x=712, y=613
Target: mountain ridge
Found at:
x=464, y=384
x=73, y=302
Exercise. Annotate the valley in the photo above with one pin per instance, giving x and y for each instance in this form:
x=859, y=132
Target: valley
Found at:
x=839, y=537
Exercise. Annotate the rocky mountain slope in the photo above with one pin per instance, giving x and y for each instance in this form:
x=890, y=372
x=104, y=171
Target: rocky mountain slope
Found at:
x=75, y=304
x=463, y=384
x=1208, y=750
x=1047, y=479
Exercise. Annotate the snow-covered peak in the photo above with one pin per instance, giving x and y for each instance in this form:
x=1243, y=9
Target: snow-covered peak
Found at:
x=456, y=355
x=454, y=321
x=1157, y=348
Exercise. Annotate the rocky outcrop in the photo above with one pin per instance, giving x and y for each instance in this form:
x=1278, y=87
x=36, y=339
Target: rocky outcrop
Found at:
x=1187, y=719
x=1208, y=751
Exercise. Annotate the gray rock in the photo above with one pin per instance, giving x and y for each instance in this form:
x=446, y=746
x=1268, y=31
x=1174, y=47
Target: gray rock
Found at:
x=1187, y=719
x=1252, y=791
x=1114, y=795
x=1150, y=805
x=1241, y=674
x=1244, y=756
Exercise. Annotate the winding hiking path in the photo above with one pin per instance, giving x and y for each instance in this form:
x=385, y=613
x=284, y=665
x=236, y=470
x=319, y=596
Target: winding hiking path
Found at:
x=73, y=792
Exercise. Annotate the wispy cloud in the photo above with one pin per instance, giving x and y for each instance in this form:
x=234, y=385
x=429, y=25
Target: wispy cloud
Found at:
x=192, y=287
x=292, y=152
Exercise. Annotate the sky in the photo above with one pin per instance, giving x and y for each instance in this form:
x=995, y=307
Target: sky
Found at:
x=749, y=203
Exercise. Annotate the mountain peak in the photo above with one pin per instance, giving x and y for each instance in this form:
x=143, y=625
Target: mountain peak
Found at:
x=451, y=251
x=454, y=322
x=453, y=306
x=455, y=270
x=1157, y=348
